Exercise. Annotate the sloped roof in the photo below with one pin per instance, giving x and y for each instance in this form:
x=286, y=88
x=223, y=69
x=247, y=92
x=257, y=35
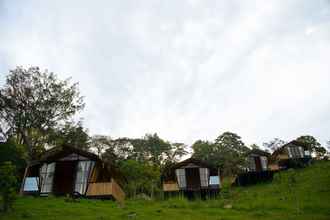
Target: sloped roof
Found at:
x=62, y=151
x=58, y=152
x=294, y=142
x=193, y=161
x=259, y=152
x=169, y=170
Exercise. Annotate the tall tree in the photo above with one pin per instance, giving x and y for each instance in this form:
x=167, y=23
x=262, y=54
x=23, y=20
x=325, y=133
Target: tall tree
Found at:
x=254, y=146
x=206, y=151
x=175, y=153
x=100, y=143
x=313, y=145
x=117, y=150
x=233, y=151
x=227, y=152
x=33, y=101
x=274, y=144
x=71, y=134
x=151, y=148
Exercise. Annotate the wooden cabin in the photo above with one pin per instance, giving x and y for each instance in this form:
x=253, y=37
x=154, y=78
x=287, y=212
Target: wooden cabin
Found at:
x=71, y=171
x=290, y=155
x=257, y=160
x=191, y=177
x=257, y=169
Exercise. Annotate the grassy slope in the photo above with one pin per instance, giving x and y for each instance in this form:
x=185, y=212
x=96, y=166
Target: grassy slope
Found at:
x=300, y=194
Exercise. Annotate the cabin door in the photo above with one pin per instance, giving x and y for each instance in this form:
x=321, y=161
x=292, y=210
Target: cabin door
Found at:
x=64, y=177
x=193, y=179
x=258, y=164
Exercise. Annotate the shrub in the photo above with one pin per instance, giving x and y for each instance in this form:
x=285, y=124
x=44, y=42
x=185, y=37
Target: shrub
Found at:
x=8, y=183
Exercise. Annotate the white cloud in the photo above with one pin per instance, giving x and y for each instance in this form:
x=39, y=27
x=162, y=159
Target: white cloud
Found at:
x=184, y=69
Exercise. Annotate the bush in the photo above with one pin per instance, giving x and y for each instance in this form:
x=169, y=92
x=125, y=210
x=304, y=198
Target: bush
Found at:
x=8, y=183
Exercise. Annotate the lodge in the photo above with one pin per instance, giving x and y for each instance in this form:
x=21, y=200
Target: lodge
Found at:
x=290, y=155
x=257, y=160
x=71, y=171
x=191, y=178
x=257, y=169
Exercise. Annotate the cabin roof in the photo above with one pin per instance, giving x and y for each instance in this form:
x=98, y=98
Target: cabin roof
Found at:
x=59, y=152
x=62, y=151
x=189, y=161
x=258, y=152
x=169, y=171
x=291, y=143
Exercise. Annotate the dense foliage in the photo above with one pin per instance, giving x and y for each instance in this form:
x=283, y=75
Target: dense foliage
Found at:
x=313, y=145
x=8, y=183
x=32, y=103
x=227, y=152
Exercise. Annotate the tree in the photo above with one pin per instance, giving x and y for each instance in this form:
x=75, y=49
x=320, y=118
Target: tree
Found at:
x=142, y=177
x=150, y=148
x=205, y=150
x=10, y=151
x=233, y=151
x=227, y=152
x=175, y=153
x=117, y=150
x=274, y=144
x=254, y=146
x=8, y=183
x=312, y=144
x=100, y=143
x=70, y=134
x=32, y=102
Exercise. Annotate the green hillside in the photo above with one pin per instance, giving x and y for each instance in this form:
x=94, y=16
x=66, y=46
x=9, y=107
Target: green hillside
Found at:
x=294, y=194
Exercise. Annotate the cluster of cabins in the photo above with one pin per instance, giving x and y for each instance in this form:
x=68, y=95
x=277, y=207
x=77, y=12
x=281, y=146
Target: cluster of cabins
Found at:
x=64, y=171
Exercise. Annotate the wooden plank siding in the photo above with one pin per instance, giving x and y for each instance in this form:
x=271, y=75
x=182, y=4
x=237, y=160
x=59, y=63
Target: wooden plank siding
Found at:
x=117, y=192
x=106, y=189
x=170, y=186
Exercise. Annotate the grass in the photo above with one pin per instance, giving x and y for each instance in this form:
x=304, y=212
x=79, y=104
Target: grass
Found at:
x=294, y=194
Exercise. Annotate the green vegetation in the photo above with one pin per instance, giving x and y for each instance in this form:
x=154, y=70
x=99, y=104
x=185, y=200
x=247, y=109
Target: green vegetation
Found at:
x=7, y=185
x=294, y=194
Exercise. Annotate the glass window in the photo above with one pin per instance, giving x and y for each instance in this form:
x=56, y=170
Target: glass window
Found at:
x=47, y=176
x=296, y=152
x=31, y=184
x=204, y=176
x=83, y=172
x=214, y=180
x=263, y=162
x=181, y=177
x=252, y=164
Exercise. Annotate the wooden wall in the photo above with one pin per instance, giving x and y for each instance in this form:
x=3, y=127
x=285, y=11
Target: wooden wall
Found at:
x=106, y=189
x=170, y=186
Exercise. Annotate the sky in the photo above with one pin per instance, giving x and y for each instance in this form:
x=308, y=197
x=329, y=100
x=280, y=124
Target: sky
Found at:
x=186, y=70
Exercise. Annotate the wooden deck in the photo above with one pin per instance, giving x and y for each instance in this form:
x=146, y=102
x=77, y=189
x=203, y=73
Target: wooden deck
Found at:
x=106, y=189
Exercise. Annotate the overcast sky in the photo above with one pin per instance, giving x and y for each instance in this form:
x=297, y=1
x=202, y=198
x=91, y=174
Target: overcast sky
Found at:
x=187, y=70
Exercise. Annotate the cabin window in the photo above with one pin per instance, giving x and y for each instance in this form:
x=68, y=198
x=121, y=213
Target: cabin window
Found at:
x=47, y=175
x=181, y=177
x=83, y=172
x=214, y=180
x=296, y=152
x=31, y=184
x=204, y=176
x=263, y=161
x=252, y=164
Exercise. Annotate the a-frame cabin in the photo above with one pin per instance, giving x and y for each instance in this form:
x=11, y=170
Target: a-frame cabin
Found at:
x=192, y=178
x=71, y=171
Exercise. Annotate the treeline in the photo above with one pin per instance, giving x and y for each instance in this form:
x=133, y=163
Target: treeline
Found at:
x=37, y=111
